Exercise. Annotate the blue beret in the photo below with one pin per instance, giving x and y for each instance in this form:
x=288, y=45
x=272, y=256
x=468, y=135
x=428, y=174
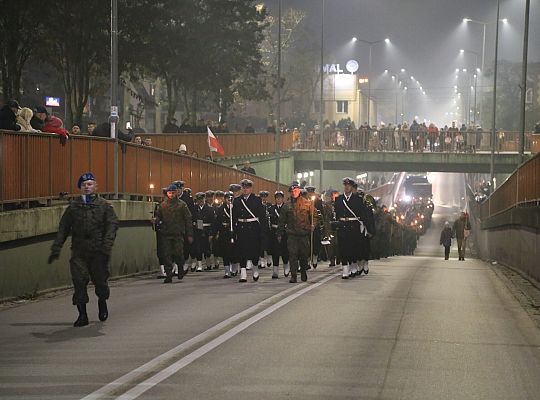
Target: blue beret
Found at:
x=87, y=176
x=172, y=188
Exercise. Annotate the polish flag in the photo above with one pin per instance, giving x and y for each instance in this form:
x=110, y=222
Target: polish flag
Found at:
x=213, y=143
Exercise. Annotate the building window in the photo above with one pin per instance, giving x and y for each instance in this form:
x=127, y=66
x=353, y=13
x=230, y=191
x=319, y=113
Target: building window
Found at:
x=342, y=107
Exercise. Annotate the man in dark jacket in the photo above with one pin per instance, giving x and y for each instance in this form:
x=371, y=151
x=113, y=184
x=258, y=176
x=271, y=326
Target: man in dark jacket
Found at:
x=171, y=127
x=460, y=231
x=92, y=223
x=446, y=239
x=203, y=222
x=8, y=116
x=174, y=221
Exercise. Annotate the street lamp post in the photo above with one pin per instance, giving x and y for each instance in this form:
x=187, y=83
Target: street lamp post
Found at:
x=494, y=120
x=370, y=44
x=524, y=79
x=321, y=105
x=475, y=77
x=278, y=121
x=114, y=89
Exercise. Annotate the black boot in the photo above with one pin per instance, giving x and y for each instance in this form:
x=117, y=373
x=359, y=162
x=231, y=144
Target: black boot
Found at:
x=103, y=313
x=293, y=279
x=303, y=275
x=83, y=317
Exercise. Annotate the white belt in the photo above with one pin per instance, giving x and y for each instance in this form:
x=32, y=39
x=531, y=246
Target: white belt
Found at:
x=249, y=220
x=274, y=226
x=348, y=219
x=205, y=225
x=225, y=223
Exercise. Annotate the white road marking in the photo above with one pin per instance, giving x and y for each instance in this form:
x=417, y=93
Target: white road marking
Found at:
x=152, y=364
x=149, y=383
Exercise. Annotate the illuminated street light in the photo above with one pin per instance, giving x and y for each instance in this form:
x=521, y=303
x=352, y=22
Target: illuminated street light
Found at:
x=354, y=39
x=387, y=41
x=402, y=69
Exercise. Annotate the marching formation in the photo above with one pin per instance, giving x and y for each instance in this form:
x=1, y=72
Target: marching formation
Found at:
x=242, y=232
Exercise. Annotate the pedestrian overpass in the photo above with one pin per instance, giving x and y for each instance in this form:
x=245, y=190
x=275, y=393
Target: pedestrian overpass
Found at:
x=411, y=162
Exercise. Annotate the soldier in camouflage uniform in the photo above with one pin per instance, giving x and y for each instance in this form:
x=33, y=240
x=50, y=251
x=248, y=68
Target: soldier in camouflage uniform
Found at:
x=298, y=220
x=92, y=223
x=174, y=221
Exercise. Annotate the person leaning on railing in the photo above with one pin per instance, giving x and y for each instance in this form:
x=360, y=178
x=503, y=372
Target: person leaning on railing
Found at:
x=23, y=120
x=8, y=116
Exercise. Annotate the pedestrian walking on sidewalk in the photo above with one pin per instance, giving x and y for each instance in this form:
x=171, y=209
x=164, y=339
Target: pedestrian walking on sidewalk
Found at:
x=461, y=231
x=446, y=239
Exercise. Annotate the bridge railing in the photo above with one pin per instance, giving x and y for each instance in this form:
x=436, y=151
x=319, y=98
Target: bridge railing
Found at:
x=234, y=144
x=36, y=166
x=522, y=188
x=403, y=140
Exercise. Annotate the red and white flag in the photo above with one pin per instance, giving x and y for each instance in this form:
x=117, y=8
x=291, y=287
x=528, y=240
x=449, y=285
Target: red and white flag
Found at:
x=213, y=143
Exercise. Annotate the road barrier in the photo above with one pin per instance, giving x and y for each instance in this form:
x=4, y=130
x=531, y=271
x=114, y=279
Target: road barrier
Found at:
x=36, y=166
x=521, y=189
x=234, y=144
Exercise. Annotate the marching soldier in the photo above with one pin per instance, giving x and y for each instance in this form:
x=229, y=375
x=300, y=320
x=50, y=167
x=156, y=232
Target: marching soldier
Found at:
x=263, y=263
x=157, y=229
x=317, y=233
x=278, y=249
x=367, y=235
x=350, y=214
x=203, y=223
x=188, y=199
x=249, y=221
x=174, y=220
x=297, y=219
x=236, y=190
x=225, y=235
x=216, y=252
x=92, y=223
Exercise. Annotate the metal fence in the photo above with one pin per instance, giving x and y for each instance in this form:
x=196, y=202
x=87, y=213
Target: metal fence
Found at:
x=522, y=188
x=38, y=167
x=406, y=140
x=234, y=144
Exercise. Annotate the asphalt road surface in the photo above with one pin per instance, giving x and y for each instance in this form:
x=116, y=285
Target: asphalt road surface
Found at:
x=414, y=328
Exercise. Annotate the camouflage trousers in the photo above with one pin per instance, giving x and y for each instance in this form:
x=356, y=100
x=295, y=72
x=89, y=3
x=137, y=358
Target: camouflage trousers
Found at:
x=86, y=267
x=172, y=249
x=299, y=252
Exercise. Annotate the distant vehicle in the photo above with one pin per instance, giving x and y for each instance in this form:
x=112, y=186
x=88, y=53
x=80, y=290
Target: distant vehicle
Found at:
x=418, y=187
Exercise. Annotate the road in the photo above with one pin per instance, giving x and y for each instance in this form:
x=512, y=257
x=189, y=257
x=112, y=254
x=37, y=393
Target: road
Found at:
x=414, y=328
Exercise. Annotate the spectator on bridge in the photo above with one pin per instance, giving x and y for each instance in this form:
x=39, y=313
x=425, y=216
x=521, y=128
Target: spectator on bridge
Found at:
x=249, y=128
x=147, y=142
x=248, y=168
x=446, y=239
x=433, y=133
x=195, y=154
x=37, y=121
x=182, y=149
x=52, y=124
x=186, y=126
x=271, y=129
x=104, y=130
x=76, y=130
x=8, y=116
x=24, y=120
x=471, y=139
x=90, y=128
x=404, y=135
x=537, y=127
x=171, y=126
x=138, y=140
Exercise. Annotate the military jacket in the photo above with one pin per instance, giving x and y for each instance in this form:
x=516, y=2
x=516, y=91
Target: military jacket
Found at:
x=92, y=226
x=295, y=218
x=174, y=218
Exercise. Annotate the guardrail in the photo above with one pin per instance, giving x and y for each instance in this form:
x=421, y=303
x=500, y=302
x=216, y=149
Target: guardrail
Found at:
x=234, y=144
x=35, y=166
x=401, y=140
x=522, y=188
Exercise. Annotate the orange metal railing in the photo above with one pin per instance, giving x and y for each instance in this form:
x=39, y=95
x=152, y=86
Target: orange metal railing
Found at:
x=37, y=167
x=234, y=144
x=520, y=189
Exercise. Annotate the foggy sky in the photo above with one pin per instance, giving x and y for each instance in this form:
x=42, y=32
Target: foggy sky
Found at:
x=426, y=34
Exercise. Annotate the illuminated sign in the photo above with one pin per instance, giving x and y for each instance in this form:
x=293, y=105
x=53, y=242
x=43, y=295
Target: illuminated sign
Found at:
x=351, y=66
x=52, y=101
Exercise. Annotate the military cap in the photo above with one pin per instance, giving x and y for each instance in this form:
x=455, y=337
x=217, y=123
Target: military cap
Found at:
x=87, y=176
x=179, y=184
x=263, y=193
x=219, y=193
x=279, y=193
x=228, y=194
x=234, y=187
x=310, y=189
x=245, y=183
x=293, y=185
x=172, y=188
x=188, y=191
x=348, y=181
x=209, y=193
x=199, y=195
